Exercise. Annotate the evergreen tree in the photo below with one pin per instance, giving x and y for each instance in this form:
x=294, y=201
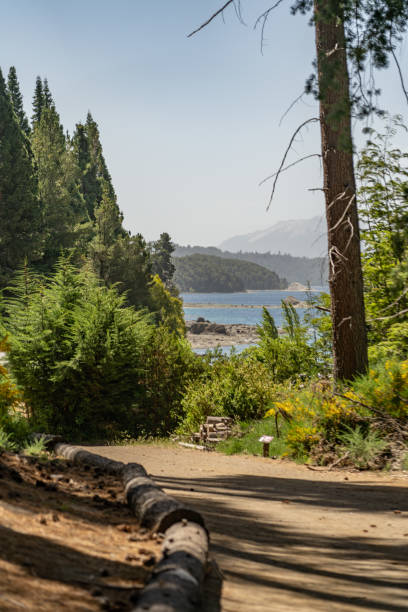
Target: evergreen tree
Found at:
x=17, y=100
x=19, y=207
x=38, y=101
x=96, y=154
x=162, y=263
x=94, y=177
x=58, y=175
x=47, y=97
x=108, y=228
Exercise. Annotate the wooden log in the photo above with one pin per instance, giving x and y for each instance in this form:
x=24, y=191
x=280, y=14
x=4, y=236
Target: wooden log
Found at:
x=195, y=446
x=153, y=508
x=177, y=579
x=214, y=419
x=83, y=457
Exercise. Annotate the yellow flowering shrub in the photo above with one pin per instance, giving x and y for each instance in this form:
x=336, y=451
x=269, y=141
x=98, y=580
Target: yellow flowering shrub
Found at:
x=9, y=394
x=385, y=388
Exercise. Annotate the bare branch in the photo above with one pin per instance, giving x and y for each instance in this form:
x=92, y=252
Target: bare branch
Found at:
x=311, y=120
x=396, y=301
x=290, y=107
x=398, y=314
x=298, y=161
x=213, y=16
x=340, y=221
x=404, y=89
x=263, y=19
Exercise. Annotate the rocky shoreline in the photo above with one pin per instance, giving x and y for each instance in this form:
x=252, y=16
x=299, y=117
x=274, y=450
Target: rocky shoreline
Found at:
x=206, y=335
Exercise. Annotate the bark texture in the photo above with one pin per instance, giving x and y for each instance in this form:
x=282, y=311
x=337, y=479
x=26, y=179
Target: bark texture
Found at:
x=345, y=274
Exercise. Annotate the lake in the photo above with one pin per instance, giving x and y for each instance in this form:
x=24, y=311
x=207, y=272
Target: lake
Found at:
x=245, y=307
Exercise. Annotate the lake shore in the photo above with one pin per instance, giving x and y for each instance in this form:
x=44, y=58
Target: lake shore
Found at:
x=234, y=334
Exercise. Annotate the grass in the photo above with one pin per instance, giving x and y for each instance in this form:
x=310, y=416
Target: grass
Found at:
x=249, y=443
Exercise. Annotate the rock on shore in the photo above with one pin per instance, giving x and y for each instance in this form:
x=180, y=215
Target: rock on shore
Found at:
x=203, y=334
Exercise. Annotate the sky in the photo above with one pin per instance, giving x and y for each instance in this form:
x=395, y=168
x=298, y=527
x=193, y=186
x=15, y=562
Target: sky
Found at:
x=189, y=126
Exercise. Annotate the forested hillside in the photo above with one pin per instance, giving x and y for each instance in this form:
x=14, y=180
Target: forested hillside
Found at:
x=301, y=269
x=207, y=273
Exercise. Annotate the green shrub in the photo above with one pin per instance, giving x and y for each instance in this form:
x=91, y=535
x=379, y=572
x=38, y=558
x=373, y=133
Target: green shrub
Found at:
x=6, y=441
x=238, y=387
x=76, y=352
x=363, y=447
x=170, y=366
x=290, y=355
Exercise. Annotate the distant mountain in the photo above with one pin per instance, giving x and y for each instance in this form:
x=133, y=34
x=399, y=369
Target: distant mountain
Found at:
x=207, y=273
x=301, y=269
x=300, y=238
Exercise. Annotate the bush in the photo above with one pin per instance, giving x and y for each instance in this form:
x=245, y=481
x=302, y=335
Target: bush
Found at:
x=289, y=356
x=76, y=352
x=362, y=447
x=238, y=387
x=170, y=366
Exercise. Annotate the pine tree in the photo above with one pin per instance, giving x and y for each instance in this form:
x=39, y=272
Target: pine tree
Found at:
x=58, y=177
x=96, y=154
x=108, y=228
x=38, y=101
x=95, y=177
x=47, y=97
x=17, y=100
x=20, y=217
x=162, y=263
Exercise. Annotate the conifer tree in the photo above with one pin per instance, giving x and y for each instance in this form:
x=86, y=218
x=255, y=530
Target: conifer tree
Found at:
x=162, y=263
x=38, y=101
x=58, y=176
x=17, y=100
x=47, y=97
x=96, y=154
x=20, y=217
x=95, y=177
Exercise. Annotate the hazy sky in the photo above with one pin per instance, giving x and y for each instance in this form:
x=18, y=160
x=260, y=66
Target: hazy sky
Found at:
x=189, y=127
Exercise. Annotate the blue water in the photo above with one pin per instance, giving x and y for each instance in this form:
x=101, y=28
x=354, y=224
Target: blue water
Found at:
x=248, y=316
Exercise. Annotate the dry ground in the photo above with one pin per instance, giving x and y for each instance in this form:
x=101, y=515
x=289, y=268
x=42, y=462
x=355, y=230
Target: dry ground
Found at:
x=67, y=539
x=287, y=538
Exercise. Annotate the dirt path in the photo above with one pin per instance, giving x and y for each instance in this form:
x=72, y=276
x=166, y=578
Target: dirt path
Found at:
x=287, y=538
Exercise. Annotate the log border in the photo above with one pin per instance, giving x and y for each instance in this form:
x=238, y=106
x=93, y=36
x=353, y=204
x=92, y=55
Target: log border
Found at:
x=177, y=579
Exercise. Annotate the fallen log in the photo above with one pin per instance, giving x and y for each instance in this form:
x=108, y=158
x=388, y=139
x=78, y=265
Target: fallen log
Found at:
x=152, y=507
x=177, y=579
x=83, y=457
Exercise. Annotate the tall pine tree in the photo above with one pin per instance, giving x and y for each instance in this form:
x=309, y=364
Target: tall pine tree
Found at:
x=38, y=101
x=58, y=177
x=94, y=178
x=20, y=217
x=17, y=100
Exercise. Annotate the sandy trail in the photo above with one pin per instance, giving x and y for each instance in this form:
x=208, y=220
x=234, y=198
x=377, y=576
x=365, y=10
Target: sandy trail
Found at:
x=287, y=538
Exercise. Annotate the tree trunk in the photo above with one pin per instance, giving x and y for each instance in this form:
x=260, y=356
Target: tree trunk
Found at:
x=345, y=275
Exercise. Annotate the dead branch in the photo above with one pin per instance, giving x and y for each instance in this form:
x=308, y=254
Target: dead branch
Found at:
x=339, y=460
x=396, y=301
x=383, y=415
x=263, y=19
x=213, y=16
x=290, y=166
x=404, y=89
x=322, y=308
x=298, y=129
x=290, y=107
x=340, y=221
x=398, y=314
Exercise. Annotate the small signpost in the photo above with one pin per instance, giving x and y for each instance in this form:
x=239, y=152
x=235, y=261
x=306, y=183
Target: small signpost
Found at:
x=266, y=440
